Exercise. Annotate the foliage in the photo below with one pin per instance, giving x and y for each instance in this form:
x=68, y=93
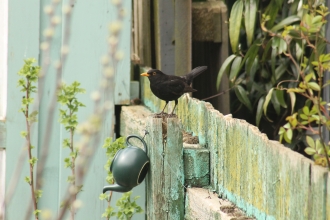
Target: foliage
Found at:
x=29, y=77
x=312, y=116
x=111, y=149
x=67, y=96
x=281, y=59
x=259, y=64
x=127, y=208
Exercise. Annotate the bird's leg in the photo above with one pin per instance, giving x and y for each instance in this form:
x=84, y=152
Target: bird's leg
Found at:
x=162, y=112
x=176, y=103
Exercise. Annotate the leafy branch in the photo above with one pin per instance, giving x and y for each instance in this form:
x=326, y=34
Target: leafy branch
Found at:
x=311, y=72
x=68, y=117
x=29, y=77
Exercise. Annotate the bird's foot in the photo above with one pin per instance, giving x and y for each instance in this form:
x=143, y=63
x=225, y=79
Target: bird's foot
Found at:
x=160, y=115
x=172, y=115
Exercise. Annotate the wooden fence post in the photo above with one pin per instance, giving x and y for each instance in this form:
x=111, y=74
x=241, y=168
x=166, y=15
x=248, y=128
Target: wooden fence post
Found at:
x=164, y=182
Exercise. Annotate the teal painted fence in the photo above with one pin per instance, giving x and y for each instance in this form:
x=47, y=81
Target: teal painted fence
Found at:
x=88, y=43
x=262, y=177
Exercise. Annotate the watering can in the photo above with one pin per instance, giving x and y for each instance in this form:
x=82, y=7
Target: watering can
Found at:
x=129, y=166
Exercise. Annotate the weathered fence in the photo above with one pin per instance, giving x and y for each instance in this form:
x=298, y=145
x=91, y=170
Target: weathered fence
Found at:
x=175, y=167
x=262, y=177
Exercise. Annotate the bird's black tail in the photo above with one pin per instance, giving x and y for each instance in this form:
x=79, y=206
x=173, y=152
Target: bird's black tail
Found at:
x=195, y=72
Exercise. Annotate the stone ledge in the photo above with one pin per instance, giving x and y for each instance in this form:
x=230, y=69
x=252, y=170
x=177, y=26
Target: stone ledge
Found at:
x=202, y=204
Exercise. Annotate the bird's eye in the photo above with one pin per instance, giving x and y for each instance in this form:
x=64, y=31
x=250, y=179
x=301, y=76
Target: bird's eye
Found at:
x=154, y=73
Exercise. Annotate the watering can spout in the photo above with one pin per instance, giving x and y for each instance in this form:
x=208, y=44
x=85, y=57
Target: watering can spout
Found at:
x=116, y=188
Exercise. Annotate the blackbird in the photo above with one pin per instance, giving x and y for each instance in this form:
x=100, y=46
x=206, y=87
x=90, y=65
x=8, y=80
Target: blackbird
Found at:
x=168, y=87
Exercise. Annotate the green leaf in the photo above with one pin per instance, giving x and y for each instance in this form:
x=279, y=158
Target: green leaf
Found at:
x=293, y=100
x=309, y=76
x=259, y=109
x=235, y=68
x=23, y=134
x=286, y=138
x=27, y=179
x=273, y=60
x=282, y=46
x=276, y=103
x=268, y=97
x=243, y=97
x=235, y=24
x=310, y=142
x=314, y=86
x=265, y=52
x=223, y=68
x=310, y=151
x=33, y=161
x=285, y=22
x=281, y=69
x=305, y=110
x=303, y=116
x=252, y=53
x=280, y=98
x=250, y=19
x=289, y=134
x=103, y=196
x=36, y=212
x=319, y=146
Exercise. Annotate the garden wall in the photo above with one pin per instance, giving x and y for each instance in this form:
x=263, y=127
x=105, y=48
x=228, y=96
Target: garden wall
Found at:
x=262, y=177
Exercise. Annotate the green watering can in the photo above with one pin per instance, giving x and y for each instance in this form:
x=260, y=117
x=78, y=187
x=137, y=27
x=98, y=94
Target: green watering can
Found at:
x=129, y=166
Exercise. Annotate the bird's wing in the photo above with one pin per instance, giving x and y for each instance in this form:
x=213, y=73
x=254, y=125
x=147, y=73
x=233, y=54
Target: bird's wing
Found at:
x=178, y=87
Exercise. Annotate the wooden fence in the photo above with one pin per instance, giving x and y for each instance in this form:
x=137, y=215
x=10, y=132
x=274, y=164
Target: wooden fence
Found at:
x=262, y=177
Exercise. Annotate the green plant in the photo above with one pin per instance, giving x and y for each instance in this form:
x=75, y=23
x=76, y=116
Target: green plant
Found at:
x=29, y=77
x=312, y=116
x=282, y=58
x=258, y=63
x=127, y=208
x=67, y=96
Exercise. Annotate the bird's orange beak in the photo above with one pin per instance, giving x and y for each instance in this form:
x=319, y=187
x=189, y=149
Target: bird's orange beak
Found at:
x=145, y=74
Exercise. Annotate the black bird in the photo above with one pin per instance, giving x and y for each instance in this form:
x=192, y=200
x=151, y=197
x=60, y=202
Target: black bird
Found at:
x=169, y=88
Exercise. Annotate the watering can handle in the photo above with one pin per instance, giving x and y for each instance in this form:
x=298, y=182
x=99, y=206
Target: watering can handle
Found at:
x=138, y=137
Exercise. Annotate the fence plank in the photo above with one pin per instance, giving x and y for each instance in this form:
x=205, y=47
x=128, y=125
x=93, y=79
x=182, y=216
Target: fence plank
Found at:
x=318, y=193
x=165, y=191
x=23, y=42
x=174, y=178
x=182, y=35
x=164, y=35
x=156, y=206
x=214, y=139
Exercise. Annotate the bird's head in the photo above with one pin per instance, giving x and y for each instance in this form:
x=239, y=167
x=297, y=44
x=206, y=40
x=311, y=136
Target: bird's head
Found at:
x=152, y=73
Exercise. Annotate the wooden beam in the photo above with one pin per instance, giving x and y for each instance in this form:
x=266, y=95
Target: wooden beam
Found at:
x=164, y=35
x=164, y=182
x=182, y=37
